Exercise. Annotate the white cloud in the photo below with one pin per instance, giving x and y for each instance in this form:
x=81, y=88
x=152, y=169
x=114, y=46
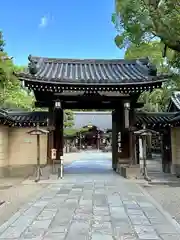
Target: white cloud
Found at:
x=44, y=22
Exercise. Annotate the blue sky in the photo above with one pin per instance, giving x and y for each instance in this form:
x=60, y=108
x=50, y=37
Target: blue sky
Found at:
x=59, y=28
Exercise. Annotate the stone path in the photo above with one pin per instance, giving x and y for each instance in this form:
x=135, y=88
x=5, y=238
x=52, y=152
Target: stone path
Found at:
x=92, y=206
x=169, y=197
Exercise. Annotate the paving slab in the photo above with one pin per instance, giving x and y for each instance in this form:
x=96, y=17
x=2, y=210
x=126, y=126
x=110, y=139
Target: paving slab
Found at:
x=90, y=205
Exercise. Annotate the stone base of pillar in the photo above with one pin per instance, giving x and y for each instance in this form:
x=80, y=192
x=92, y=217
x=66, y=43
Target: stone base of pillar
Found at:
x=175, y=169
x=166, y=167
x=129, y=172
x=122, y=162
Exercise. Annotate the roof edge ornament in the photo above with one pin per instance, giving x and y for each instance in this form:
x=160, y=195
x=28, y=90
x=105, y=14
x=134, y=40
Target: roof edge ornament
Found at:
x=32, y=66
x=148, y=66
x=152, y=69
x=175, y=99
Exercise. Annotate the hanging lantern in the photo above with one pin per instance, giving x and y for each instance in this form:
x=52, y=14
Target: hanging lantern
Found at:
x=58, y=104
x=126, y=114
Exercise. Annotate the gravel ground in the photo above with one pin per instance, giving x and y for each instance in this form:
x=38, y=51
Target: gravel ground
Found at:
x=168, y=197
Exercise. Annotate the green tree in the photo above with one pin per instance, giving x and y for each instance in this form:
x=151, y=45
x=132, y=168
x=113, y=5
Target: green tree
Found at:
x=139, y=21
x=68, y=119
x=158, y=99
x=12, y=94
x=152, y=50
x=2, y=43
x=148, y=28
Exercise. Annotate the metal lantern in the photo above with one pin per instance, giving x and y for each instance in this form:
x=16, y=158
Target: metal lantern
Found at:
x=143, y=133
x=58, y=104
x=38, y=132
x=126, y=114
x=90, y=126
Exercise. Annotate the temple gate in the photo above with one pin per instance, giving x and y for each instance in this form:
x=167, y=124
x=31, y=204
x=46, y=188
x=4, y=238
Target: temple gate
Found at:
x=60, y=84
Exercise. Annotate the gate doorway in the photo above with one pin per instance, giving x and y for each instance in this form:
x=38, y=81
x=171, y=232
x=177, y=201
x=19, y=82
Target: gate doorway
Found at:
x=60, y=84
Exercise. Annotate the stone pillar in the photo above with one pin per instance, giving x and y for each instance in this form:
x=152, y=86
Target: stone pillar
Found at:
x=58, y=133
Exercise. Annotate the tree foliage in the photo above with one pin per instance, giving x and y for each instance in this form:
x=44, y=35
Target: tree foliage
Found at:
x=68, y=119
x=151, y=28
x=152, y=50
x=12, y=94
x=73, y=132
x=157, y=100
x=139, y=21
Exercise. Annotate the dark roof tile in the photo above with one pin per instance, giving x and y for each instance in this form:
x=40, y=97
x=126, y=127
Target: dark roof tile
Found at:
x=102, y=120
x=175, y=99
x=154, y=118
x=90, y=71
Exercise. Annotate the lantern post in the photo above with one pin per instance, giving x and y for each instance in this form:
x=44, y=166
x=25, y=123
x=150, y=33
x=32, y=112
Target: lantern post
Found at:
x=143, y=133
x=38, y=132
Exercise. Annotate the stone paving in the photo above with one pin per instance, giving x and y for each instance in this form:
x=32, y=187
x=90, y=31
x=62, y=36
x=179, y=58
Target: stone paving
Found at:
x=90, y=206
x=169, y=197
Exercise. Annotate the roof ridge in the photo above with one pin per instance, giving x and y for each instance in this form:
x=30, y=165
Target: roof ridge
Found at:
x=26, y=113
x=88, y=60
x=156, y=113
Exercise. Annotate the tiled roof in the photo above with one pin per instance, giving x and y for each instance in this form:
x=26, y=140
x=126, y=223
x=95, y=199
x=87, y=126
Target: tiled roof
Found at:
x=175, y=99
x=176, y=119
x=4, y=115
x=102, y=120
x=86, y=71
x=160, y=118
x=30, y=117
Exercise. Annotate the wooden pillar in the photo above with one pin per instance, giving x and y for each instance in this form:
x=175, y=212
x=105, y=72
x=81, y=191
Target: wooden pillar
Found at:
x=132, y=138
x=58, y=132
x=125, y=140
x=137, y=157
x=114, y=140
x=50, y=143
x=126, y=152
x=149, y=147
x=166, y=151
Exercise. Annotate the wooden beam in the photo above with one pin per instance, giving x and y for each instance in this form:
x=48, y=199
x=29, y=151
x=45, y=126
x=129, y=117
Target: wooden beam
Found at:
x=137, y=105
x=79, y=105
x=44, y=104
x=86, y=103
